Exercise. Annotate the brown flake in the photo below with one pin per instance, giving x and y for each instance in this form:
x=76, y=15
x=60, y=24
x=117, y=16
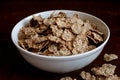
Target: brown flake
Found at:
x=68, y=78
x=67, y=35
x=106, y=70
x=110, y=57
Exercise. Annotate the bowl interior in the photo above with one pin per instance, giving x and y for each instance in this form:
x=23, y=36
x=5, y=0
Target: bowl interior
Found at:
x=100, y=24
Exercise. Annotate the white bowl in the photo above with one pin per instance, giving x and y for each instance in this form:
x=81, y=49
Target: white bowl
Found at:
x=61, y=64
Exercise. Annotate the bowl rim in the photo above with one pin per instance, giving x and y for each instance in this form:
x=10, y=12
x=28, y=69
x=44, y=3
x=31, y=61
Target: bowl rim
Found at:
x=82, y=55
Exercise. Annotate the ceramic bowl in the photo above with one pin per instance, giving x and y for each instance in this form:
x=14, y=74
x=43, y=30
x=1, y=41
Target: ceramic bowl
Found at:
x=61, y=64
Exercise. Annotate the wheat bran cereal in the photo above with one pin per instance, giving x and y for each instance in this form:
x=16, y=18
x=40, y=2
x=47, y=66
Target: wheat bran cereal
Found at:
x=110, y=57
x=71, y=32
x=106, y=70
x=67, y=78
x=67, y=35
x=87, y=76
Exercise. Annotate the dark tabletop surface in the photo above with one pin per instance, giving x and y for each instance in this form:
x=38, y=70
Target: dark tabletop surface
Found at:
x=14, y=67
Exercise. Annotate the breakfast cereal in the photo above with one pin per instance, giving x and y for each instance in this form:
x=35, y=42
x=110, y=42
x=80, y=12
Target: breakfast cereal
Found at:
x=67, y=78
x=59, y=35
x=110, y=57
x=106, y=70
x=88, y=76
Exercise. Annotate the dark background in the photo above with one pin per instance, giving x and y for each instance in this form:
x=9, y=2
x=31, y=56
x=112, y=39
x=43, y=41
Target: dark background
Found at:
x=14, y=67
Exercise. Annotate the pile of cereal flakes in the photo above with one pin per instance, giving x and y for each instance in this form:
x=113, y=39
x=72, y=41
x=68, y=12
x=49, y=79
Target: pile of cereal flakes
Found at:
x=105, y=72
x=59, y=35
